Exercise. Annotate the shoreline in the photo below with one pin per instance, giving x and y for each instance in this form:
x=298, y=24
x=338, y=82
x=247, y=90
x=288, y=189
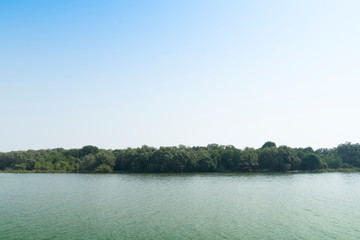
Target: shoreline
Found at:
x=341, y=170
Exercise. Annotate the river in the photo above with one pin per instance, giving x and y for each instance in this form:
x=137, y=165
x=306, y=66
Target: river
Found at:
x=180, y=206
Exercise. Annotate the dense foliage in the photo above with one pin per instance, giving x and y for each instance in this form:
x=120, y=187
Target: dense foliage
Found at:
x=212, y=158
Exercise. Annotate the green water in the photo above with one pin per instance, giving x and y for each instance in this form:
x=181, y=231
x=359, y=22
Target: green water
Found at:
x=180, y=206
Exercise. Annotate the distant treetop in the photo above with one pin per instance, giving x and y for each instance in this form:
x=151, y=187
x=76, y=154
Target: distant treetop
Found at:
x=268, y=144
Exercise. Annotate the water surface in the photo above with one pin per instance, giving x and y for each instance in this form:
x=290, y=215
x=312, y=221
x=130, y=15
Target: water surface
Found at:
x=180, y=206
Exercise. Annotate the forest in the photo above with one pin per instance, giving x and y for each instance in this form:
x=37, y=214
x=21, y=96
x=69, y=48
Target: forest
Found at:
x=181, y=159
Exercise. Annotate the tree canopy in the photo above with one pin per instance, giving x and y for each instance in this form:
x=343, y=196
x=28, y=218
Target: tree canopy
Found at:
x=212, y=158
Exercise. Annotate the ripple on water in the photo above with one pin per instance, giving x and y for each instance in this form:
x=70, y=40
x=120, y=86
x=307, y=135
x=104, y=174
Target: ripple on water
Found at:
x=179, y=206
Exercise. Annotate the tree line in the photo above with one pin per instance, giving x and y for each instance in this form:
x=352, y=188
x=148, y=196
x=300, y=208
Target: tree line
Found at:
x=212, y=158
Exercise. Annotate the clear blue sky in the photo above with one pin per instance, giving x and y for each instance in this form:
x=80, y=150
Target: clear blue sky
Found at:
x=119, y=74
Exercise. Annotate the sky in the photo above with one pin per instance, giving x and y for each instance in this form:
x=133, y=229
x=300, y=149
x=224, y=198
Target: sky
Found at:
x=118, y=74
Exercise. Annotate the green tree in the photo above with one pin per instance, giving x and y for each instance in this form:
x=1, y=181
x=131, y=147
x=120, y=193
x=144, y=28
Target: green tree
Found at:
x=88, y=163
x=20, y=166
x=311, y=162
x=105, y=157
x=205, y=163
x=268, y=145
x=268, y=159
x=350, y=154
x=288, y=159
x=103, y=168
x=248, y=160
x=86, y=150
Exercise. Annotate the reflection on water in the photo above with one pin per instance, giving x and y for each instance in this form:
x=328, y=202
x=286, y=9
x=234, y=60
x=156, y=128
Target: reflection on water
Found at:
x=179, y=206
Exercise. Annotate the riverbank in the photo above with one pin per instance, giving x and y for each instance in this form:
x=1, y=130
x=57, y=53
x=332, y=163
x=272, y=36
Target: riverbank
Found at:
x=254, y=172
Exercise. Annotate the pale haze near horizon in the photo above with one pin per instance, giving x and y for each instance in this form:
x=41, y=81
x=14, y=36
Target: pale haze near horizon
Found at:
x=119, y=74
